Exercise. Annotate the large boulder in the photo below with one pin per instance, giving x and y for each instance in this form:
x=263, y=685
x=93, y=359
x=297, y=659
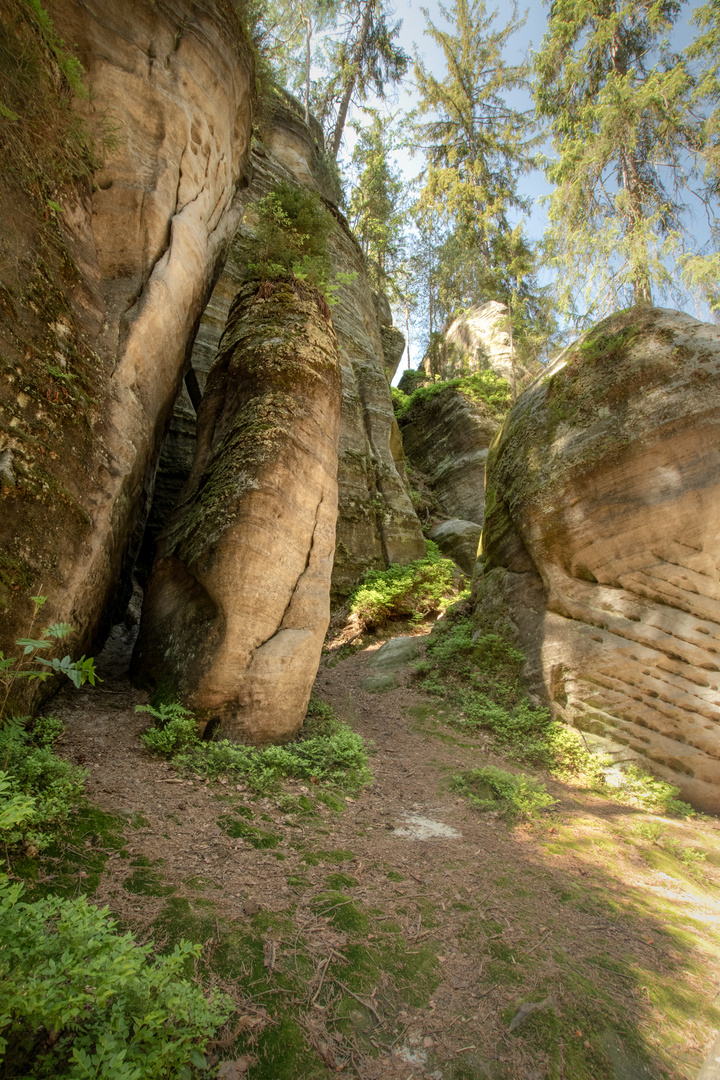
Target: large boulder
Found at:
x=100, y=306
x=602, y=503
x=237, y=605
x=446, y=432
x=458, y=540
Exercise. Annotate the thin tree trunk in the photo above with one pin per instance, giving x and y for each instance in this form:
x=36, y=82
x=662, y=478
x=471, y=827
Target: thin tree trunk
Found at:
x=351, y=78
x=631, y=182
x=407, y=331
x=308, y=35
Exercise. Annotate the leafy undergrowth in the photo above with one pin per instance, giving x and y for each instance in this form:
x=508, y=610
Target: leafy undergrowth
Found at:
x=38, y=789
x=326, y=752
x=420, y=588
x=80, y=1000
x=77, y=998
x=479, y=675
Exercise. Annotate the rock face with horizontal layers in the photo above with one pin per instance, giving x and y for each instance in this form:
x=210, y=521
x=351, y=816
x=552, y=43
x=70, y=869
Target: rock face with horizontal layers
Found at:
x=376, y=521
x=601, y=537
x=478, y=339
x=446, y=434
x=237, y=605
x=102, y=308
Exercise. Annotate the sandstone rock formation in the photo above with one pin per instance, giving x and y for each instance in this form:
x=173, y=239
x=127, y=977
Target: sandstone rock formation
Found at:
x=478, y=339
x=446, y=433
x=602, y=500
x=100, y=310
x=238, y=601
x=376, y=522
x=458, y=540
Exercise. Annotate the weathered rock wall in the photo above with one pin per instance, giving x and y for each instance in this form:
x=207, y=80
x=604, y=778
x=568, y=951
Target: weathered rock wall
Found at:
x=238, y=601
x=602, y=502
x=376, y=520
x=99, y=315
x=446, y=435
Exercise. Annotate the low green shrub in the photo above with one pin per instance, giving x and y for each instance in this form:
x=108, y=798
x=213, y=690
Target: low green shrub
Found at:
x=175, y=728
x=291, y=238
x=512, y=794
x=77, y=1000
x=483, y=386
x=326, y=751
x=637, y=787
x=420, y=588
x=37, y=788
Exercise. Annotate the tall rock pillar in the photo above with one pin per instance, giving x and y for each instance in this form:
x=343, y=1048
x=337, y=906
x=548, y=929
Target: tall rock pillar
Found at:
x=238, y=600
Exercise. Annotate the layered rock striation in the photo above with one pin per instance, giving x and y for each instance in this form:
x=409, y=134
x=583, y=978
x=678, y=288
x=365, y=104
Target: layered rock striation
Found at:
x=238, y=602
x=601, y=541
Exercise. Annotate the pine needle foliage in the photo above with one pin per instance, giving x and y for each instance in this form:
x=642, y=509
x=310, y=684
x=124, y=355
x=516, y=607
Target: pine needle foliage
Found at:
x=476, y=145
x=619, y=103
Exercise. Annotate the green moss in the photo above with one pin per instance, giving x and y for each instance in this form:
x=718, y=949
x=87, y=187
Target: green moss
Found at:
x=147, y=882
x=238, y=828
x=341, y=881
x=79, y=849
x=342, y=911
x=281, y=1053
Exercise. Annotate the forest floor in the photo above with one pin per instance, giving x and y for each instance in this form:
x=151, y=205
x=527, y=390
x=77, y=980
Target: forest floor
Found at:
x=401, y=933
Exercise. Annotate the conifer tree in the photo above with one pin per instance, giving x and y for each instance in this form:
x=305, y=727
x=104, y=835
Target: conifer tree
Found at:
x=376, y=211
x=365, y=61
x=476, y=144
x=619, y=105
x=702, y=270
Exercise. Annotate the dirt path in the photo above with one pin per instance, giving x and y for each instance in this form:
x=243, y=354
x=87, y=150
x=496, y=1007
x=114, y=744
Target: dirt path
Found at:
x=401, y=934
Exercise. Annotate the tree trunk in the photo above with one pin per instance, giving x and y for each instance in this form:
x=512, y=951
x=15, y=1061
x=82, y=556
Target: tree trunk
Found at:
x=351, y=77
x=631, y=182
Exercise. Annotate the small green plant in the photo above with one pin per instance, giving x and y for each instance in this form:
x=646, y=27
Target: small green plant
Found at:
x=420, y=588
x=77, y=1000
x=13, y=668
x=650, y=830
x=637, y=787
x=326, y=751
x=512, y=794
x=291, y=238
x=38, y=788
x=175, y=728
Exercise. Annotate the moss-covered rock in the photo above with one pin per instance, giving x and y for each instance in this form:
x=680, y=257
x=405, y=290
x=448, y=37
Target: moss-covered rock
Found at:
x=605, y=482
x=238, y=600
x=446, y=430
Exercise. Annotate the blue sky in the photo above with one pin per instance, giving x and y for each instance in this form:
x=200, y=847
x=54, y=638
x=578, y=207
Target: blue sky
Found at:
x=413, y=39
